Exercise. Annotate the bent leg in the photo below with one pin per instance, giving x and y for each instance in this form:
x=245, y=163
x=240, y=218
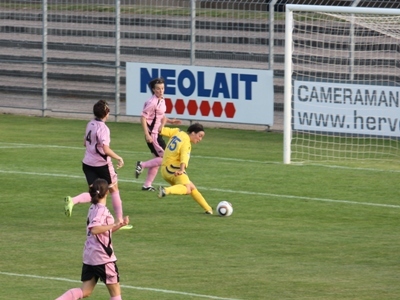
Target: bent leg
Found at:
x=151, y=175
x=81, y=198
x=72, y=294
x=154, y=162
x=116, y=201
x=178, y=189
x=198, y=197
x=115, y=291
x=88, y=287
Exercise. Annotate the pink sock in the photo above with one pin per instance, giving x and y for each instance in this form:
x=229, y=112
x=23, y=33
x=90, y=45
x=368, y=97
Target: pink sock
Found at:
x=151, y=174
x=117, y=204
x=154, y=162
x=82, y=198
x=116, y=298
x=72, y=294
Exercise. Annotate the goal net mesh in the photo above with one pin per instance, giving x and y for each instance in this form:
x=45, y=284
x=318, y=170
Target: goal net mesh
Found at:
x=345, y=88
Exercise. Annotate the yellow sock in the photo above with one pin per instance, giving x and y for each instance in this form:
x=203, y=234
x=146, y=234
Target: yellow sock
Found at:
x=198, y=197
x=178, y=189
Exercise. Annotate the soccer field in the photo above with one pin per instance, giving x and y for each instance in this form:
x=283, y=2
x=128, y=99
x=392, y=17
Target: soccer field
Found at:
x=297, y=231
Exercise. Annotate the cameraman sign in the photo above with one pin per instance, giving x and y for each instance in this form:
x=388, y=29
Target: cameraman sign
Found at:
x=347, y=108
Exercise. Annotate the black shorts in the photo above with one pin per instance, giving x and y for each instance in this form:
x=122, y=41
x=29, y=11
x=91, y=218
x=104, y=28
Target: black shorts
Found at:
x=107, y=273
x=160, y=141
x=93, y=173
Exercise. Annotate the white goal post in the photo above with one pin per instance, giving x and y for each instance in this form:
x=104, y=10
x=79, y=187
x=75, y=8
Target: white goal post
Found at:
x=342, y=85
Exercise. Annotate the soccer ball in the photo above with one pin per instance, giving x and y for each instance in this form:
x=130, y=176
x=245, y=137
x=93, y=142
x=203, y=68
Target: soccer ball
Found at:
x=224, y=209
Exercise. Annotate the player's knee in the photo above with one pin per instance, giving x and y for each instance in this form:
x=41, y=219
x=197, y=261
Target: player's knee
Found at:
x=190, y=188
x=86, y=293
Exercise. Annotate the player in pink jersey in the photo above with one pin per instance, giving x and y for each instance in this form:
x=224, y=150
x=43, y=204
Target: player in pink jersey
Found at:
x=97, y=161
x=153, y=119
x=99, y=260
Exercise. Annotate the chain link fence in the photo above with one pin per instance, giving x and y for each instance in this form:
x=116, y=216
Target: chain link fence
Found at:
x=62, y=62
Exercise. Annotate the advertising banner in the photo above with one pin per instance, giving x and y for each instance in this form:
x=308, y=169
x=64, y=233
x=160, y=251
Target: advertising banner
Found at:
x=346, y=108
x=204, y=93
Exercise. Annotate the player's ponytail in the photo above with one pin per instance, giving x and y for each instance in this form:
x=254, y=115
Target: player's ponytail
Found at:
x=98, y=190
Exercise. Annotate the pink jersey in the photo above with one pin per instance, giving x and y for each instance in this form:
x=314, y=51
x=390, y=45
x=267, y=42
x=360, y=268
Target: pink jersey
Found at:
x=154, y=111
x=97, y=134
x=94, y=253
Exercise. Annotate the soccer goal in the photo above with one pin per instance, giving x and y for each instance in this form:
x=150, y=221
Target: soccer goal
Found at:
x=342, y=85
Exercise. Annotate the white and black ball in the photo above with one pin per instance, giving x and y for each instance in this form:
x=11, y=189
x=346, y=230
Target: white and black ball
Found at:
x=224, y=209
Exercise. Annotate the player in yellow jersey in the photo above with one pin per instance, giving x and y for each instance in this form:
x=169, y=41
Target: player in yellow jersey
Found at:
x=176, y=160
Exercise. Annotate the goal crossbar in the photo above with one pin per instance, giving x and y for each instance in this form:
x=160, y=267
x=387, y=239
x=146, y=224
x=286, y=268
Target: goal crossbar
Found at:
x=341, y=9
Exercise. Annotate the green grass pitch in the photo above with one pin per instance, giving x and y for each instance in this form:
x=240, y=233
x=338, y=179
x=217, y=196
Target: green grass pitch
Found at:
x=297, y=231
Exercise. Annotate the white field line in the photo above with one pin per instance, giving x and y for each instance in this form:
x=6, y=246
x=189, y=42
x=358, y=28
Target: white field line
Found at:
x=219, y=190
x=28, y=146
x=5, y=145
x=123, y=286
x=306, y=198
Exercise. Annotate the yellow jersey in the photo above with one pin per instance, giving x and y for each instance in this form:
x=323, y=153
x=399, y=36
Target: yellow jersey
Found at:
x=178, y=148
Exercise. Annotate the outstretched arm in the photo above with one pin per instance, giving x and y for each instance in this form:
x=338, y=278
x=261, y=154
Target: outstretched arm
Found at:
x=173, y=121
x=121, y=224
x=113, y=227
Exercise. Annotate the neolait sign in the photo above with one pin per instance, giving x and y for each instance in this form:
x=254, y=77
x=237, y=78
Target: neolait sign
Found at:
x=204, y=93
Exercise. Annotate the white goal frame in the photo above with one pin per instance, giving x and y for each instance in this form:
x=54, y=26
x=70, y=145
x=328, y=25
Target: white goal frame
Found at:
x=288, y=83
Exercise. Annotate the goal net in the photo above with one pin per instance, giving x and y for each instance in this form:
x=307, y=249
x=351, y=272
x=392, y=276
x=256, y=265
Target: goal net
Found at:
x=342, y=86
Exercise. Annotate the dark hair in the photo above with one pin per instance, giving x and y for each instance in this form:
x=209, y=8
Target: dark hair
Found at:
x=101, y=109
x=98, y=190
x=196, y=128
x=155, y=81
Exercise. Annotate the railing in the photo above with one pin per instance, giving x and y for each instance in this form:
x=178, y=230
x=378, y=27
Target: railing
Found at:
x=57, y=55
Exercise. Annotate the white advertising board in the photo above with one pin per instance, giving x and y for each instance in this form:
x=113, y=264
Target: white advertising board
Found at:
x=346, y=108
x=204, y=93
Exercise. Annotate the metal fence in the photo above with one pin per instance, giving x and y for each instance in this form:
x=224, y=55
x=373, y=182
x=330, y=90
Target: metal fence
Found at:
x=58, y=55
